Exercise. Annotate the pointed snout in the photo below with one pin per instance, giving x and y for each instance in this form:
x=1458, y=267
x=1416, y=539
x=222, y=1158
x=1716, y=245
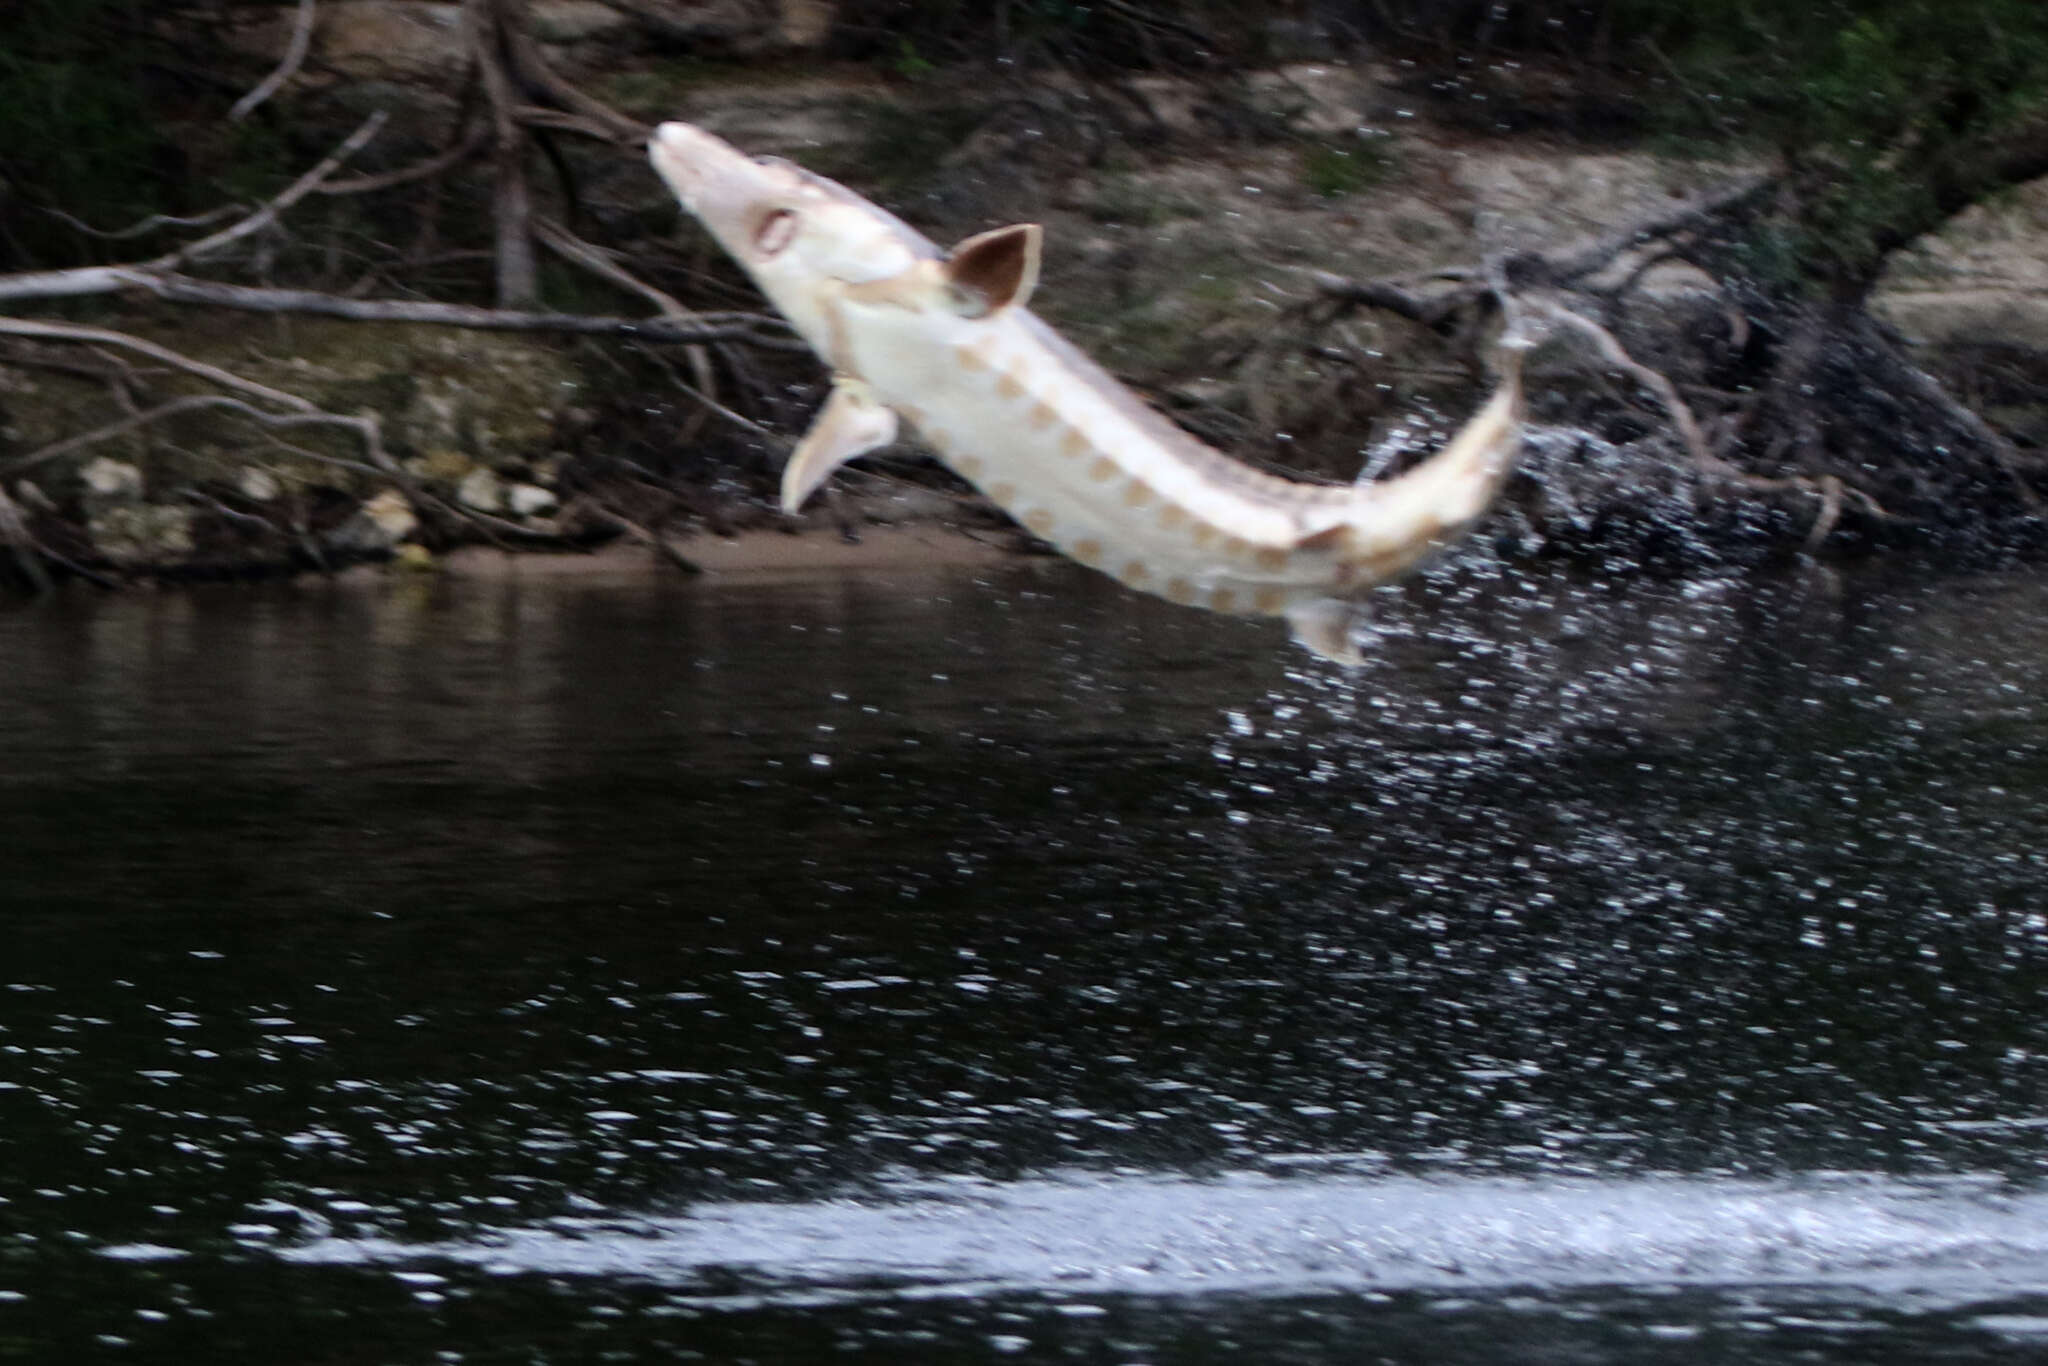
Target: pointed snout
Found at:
x=722, y=186
x=685, y=156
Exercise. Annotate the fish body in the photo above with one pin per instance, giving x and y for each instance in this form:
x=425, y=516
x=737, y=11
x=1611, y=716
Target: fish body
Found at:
x=945, y=340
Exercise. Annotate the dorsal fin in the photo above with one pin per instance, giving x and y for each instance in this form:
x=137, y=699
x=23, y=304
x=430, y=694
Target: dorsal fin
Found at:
x=995, y=270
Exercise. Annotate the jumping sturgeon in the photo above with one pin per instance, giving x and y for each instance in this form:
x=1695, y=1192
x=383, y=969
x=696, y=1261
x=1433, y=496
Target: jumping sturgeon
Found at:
x=944, y=339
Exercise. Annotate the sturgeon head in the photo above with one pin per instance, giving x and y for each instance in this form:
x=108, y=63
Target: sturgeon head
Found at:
x=944, y=338
x=797, y=234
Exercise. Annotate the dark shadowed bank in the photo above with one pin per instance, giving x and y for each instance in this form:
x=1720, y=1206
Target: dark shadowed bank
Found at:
x=285, y=287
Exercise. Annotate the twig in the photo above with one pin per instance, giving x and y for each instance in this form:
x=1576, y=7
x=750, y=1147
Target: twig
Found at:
x=294, y=58
x=1830, y=489
x=149, y=224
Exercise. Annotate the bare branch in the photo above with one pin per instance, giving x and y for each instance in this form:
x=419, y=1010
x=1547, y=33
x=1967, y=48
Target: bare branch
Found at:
x=518, y=274
x=14, y=534
x=752, y=329
x=533, y=70
x=27, y=327
x=471, y=143
x=2002, y=450
x=576, y=251
x=740, y=420
x=1656, y=381
x=29, y=552
x=1570, y=267
x=111, y=430
x=654, y=541
x=269, y=213
x=61, y=284
x=1432, y=311
x=539, y=116
x=294, y=58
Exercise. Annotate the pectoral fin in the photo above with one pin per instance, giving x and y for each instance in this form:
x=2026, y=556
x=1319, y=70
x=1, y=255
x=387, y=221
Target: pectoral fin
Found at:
x=851, y=424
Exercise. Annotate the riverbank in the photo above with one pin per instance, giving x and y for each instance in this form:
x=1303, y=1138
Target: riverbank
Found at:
x=747, y=554
x=1193, y=257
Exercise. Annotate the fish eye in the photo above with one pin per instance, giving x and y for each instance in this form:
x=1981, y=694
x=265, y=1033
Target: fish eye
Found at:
x=776, y=230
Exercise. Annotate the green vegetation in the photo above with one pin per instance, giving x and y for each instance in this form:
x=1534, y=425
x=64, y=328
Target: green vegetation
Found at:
x=1891, y=115
x=77, y=131
x=106, y=117
x=1333, y=168
x=903, y=145
x=1131, y=200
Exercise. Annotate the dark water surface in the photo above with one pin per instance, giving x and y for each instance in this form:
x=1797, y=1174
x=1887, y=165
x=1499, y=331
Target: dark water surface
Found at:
x=968, y=965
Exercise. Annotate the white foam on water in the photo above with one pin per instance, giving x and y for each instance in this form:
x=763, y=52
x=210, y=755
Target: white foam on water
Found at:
x=1954, y=1240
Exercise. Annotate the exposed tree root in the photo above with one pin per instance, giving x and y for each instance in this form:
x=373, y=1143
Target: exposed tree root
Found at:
x=1818, y=404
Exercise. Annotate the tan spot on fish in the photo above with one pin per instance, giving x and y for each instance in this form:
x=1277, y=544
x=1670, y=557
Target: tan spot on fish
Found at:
x=1136, y=574
x=1234, y=546
x=912, y=411
x=1003, y=491
x=1041, y=416
x=1073, y=443
x=969, y=465
x=967, y=358
x=1040, y=520
x=1204, y=533
x=1137, y=493
x=1009, y=386
x=1179, y=590
x=1223, y=600
x=1088, y=551
x=1270, y=558
x=1172, y=515
x=1268, y=600
x=1103, y=468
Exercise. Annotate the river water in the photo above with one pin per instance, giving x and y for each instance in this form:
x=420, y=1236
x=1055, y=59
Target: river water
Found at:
x=967, y=964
